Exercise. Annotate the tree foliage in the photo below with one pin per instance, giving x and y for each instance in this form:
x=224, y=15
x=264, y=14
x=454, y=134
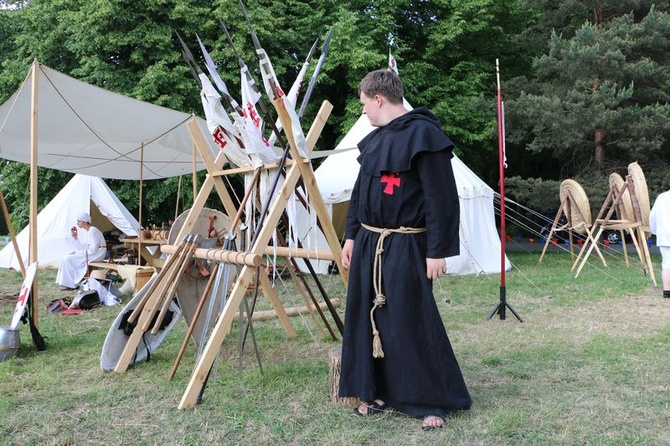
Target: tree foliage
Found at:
x=572, y=72
x=597, y=102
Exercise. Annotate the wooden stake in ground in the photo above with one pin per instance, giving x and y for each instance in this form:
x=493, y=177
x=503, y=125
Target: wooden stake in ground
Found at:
x=334, y=371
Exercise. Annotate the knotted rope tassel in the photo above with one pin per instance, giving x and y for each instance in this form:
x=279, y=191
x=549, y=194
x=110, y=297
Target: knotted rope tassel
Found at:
x=380, y=298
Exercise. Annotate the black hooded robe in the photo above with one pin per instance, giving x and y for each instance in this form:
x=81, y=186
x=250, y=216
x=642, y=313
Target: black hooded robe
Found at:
x=406, y=179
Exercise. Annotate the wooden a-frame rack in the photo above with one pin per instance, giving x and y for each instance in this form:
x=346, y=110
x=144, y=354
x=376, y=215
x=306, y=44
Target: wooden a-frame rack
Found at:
x=299, y=168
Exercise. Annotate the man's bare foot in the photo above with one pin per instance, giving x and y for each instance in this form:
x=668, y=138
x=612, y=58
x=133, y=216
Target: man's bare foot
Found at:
x=432, y=422
x=368, y=409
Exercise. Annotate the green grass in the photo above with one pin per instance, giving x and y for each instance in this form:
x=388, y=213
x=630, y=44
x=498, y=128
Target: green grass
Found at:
x=588, y=366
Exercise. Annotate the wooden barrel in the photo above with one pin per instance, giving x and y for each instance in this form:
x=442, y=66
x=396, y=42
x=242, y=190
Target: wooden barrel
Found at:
x=334, y=370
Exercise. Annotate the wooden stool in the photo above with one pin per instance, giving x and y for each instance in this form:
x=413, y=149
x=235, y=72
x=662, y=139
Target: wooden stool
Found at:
x=334, y=370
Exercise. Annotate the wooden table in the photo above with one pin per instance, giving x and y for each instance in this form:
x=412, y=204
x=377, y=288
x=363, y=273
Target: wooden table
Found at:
x=152, y=259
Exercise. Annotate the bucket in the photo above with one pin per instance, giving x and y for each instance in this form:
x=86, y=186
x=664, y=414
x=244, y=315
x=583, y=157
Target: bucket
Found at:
x=9, y=342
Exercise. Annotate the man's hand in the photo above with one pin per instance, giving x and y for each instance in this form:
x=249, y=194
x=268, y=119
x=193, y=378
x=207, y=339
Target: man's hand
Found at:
x=436, y=268
x=347, y=250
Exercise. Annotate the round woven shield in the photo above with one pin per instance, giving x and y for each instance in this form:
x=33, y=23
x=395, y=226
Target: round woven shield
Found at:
x=579, y=212
x=191, y=286
x=625, y=208
x=641, y=191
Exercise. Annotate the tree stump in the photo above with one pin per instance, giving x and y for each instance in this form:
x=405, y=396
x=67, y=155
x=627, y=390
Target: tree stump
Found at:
x=335, y=368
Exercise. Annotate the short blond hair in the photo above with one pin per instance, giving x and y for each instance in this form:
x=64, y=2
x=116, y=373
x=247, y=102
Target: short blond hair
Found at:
x=382, y=82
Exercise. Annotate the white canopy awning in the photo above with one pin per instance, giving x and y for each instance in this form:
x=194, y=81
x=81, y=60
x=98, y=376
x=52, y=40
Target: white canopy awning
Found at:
x=88, y=130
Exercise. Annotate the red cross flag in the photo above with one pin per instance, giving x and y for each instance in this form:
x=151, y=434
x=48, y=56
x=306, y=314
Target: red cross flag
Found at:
x=393, y=65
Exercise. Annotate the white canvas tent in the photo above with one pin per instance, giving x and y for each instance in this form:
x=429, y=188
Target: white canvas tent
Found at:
x=89, y=130
x=480, y=242
x=81, y=194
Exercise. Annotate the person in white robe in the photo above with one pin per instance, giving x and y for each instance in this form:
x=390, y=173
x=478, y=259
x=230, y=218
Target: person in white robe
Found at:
x=90, y=246
x=659, y=224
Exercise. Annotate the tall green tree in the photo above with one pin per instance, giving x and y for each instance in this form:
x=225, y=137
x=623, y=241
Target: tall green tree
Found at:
x=597, y=101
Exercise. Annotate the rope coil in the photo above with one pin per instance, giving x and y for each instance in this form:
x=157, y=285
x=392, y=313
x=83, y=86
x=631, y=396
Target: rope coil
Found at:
x=380, y=298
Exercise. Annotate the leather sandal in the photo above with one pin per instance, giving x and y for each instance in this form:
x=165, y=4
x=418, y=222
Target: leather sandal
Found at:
x=372, y=408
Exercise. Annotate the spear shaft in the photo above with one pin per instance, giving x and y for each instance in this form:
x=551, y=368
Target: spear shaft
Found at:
x=324, y=52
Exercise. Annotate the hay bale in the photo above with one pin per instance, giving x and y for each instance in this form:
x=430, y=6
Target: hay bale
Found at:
x=624, y=210
x=641, y=192
x=579, y=213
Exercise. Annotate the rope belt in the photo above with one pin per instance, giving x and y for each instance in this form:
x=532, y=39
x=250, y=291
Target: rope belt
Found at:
x=380, y=299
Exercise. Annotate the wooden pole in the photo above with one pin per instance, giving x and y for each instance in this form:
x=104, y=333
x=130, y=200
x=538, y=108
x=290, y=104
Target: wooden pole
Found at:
x=194, y=181
x=12, y=234
x=196, y=315
x=220, y=255
x=265, y=315
x=176, y=208
x=139, y=245
x=33, y=186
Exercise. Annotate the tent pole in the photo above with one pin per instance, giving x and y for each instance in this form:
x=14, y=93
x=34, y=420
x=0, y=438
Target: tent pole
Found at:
x=176, y=208
x=139, y=245
x=12, y=234
x=195, y=179
x=33, y=186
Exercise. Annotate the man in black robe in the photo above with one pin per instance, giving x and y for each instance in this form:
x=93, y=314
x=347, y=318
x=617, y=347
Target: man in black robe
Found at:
x=403, y=222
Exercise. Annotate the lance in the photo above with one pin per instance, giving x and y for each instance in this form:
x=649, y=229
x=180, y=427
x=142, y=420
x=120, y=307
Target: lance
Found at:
x=303, y=70
x=264, y=108
x=309, y=266
x=268, y=78
x=190, y=60
x=196, y=71
x=324, y=52
x=294, y=92
x=250, y=80
x=326, y=299
x=267, y=72
x=209, y=63
x=249, y=324
x=225, y=272
x=266, y=68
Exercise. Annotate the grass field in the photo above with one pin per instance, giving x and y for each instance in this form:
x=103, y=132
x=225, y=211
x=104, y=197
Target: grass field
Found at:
x=588, y=366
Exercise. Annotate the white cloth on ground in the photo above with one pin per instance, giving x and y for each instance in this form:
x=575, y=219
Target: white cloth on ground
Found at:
x=90, y=247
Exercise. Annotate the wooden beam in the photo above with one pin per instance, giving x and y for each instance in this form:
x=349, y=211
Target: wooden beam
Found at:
x=309, y=180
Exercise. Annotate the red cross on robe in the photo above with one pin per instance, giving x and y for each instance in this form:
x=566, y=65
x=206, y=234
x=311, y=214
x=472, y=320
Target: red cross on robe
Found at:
x=391, y=180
